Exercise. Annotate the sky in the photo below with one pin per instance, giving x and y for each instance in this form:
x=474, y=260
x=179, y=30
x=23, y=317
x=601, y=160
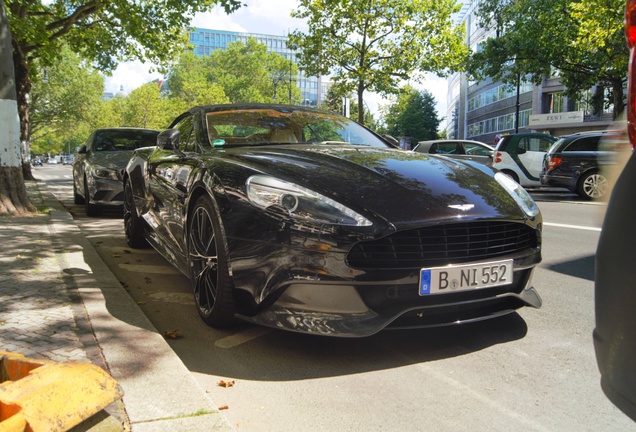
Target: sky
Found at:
x=258, y=16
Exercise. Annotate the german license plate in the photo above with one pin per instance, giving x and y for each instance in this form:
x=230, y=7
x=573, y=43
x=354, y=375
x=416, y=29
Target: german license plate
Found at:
x=465, y=277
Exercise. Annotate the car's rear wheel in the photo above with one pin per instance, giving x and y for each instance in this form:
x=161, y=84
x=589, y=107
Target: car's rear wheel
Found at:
x=207, y=256
x=592, y=186
x=77, y=198
x=133, y=223
x=511, y=174
x=91, y=209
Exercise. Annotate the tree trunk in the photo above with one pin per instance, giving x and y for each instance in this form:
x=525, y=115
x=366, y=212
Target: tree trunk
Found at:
x=13, y=195
x=23, y=90
x=617, y=91
x=360, y=102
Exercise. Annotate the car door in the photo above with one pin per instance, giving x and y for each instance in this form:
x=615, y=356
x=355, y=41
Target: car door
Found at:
x=168, y=180
x=531, y=151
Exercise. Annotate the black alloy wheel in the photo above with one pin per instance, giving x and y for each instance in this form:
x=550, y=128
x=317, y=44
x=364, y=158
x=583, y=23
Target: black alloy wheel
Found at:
x=91, y=209
x=209, y=275
x=133, y=223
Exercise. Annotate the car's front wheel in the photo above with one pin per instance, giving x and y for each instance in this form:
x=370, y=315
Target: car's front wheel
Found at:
x=91, y=209
x=77, y=198
x=207, y=256
x=592, y=185
x=133, y=224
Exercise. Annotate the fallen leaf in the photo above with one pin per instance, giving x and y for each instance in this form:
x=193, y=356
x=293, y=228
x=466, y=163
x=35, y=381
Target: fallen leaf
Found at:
x=225, y=384
x=223, y=407
x=147, y=279
x=141, y=303
x=126, y=251
x=172, y=334
x=116, y=255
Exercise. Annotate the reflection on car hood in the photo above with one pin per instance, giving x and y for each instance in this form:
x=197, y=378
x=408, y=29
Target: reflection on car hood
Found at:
x=116, y=160
x=398, y=185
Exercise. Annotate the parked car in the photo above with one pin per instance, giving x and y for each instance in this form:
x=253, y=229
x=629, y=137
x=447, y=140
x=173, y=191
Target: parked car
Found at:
x=615, y=275
x=289, y=217
x=99, y=166
x=579, y=162
x=521, y=156
x=458, y=149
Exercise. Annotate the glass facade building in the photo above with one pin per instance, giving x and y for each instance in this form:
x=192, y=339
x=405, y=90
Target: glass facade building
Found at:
x=313, y=89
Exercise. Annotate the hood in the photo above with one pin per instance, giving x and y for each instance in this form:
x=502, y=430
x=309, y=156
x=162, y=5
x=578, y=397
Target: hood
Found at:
x=115, y=160
x=402, y=187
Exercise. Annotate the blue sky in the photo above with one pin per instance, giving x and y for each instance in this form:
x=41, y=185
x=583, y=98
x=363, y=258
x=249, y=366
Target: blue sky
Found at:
x=259, y=16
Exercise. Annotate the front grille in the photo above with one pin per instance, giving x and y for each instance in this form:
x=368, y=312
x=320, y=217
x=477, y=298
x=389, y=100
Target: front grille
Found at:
x=441, y=245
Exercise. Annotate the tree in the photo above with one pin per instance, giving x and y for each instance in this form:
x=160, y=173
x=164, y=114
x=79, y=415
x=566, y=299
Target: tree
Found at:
x=63, y=99
x=583, y=41
x=102, y=31
x=413, y=115
x=372, y=45
x=334, y=103
x=13, y=196
x=248, y=73
x=189, y=80
x=144, y=107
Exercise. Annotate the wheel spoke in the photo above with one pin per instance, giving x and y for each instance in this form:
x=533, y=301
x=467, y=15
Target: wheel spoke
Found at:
x=203, y=260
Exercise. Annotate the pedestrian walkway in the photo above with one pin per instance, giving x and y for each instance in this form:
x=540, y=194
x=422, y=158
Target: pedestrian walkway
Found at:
x=60, y=302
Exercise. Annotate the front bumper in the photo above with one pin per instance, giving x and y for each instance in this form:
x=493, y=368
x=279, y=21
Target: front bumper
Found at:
x=364, y=308
x=106, y=192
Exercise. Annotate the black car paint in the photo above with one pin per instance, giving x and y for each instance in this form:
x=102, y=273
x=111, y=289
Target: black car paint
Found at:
x=270, y=252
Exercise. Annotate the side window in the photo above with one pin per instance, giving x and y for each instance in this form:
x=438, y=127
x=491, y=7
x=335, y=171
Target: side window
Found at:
x=536, y=144
x=445, y=148
x=187, y=141
x=544, y=144
x=475, y=149
x=584, y=144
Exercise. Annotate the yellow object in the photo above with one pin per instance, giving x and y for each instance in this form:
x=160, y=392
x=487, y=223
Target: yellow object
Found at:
x=41, y=395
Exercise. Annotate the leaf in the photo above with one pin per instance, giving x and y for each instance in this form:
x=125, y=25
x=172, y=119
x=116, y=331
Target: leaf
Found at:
x=225, y=384
x=172, y=334
x=116, y=255
x=223, y=407
x=147, y=279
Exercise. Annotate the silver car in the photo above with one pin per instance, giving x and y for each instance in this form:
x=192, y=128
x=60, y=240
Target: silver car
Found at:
x=100, y=162
x=457, y=149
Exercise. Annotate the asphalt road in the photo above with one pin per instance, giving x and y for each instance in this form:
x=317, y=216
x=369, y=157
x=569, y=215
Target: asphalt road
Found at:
x=534, y=370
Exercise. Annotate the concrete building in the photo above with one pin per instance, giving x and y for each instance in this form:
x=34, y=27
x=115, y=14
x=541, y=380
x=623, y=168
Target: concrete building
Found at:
x=482, y=110
x=313, y=89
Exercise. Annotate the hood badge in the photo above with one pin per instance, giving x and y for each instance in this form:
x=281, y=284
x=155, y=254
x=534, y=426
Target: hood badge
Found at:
x=462, y=207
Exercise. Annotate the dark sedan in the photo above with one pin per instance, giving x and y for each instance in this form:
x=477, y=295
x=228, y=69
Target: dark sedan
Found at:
x=301, y=220
x=99, y=165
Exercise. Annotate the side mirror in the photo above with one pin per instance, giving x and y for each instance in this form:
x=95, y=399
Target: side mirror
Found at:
x=521, y=150
x=169, y=139
x=82, y=150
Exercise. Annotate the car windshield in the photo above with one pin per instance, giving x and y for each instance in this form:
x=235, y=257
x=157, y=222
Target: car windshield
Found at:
x=122, y=140
x=267, y=126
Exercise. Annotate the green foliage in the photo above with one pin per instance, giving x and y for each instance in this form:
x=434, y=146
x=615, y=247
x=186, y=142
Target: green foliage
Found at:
x=583, y=40
x=104, y=32
x=413, y=115
x=373, y=46
x=144, y=107
x=244, y=72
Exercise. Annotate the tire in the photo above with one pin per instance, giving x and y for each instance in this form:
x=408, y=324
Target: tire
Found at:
x=207, y=259
x=91, y=209
x=134, y=225
x=512, y=175
x=77, y=198
x=592, y=186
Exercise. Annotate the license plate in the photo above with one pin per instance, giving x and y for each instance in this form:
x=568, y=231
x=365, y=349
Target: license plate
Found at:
x=465, y=277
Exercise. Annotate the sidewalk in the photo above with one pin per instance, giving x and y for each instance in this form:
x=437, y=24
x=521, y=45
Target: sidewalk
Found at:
x=59, y=301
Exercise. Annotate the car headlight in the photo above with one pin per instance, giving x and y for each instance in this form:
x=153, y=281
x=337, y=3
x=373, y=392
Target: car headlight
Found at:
x=104, y=173
x=300, y=203
x=521, y=196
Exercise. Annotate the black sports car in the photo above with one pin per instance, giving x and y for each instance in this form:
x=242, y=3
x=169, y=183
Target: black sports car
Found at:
x=303, y=220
